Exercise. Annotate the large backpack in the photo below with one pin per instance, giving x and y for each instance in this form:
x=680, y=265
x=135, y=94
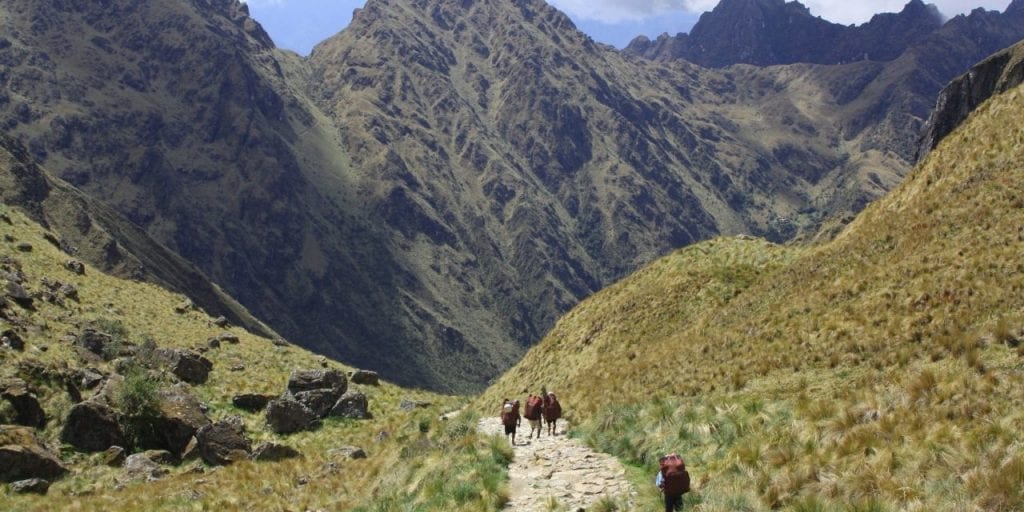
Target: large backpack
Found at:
x=508, y=414
x=675, y=479
x=553, y=409
x=534, y=406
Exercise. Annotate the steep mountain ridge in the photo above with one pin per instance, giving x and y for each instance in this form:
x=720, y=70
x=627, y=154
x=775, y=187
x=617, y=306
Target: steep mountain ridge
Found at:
x=436, y=184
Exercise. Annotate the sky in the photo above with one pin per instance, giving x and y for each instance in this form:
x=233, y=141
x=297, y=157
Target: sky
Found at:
x=299, y=24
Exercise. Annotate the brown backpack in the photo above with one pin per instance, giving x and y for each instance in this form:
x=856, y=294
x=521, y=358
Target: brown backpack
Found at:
x=509, y=414
x=534, y=405
x=553, y=409
x=675, y=479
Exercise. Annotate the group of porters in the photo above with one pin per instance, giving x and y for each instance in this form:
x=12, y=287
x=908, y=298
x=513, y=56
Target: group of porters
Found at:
x=538, y=407
x=672, y=479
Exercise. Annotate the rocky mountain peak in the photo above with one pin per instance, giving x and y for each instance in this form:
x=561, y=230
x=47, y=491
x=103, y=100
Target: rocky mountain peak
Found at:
x=1016, y=7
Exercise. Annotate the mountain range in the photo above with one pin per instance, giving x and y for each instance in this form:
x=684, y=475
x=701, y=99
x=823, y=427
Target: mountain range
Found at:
x=430, y=189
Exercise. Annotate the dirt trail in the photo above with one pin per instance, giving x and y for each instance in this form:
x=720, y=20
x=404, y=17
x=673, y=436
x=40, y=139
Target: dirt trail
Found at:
x=561, y=468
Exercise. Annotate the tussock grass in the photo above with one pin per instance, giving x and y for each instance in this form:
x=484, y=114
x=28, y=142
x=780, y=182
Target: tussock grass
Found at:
x=879, y=371
x=415, y=461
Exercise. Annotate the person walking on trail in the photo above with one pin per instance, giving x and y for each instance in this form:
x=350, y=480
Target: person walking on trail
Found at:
x=532, y=413
x=673, y=480
x=510, y=418
x=552, y=411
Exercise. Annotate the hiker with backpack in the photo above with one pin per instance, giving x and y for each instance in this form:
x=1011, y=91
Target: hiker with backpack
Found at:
x=552, y=411
x=673, y=480
x=533, y=412
x=510, y=418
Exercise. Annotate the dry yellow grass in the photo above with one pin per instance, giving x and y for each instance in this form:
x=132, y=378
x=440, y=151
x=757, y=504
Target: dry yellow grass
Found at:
x=880, y=371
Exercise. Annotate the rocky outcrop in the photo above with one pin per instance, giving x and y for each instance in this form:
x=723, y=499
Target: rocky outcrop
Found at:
x=140, y=466
x=996, y=74
x=32, y=485
x=23, y=456
x=318, y=390
x=179, y=416
x=365, y=377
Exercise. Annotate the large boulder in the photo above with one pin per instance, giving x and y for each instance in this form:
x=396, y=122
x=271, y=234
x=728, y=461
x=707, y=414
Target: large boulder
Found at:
x=365, y=377
x=318, y=390
x=11, y=340
x=32, y=485
x=178, y=417
x=23, y=457
x=186, y=365
x=222, y=443
x=286, y=415
x=309, y=380
x=92, y=426
x=352, y=405
x=26, y=406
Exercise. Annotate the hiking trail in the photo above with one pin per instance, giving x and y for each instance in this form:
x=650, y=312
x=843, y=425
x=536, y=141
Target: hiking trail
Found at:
x=558, y=467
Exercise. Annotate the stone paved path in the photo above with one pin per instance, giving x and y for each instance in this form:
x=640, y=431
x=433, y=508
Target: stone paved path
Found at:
x=559, y=467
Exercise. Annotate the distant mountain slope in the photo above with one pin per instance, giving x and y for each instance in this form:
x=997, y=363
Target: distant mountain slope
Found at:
x=90, y=230
x=435, y=185
x=931, y=266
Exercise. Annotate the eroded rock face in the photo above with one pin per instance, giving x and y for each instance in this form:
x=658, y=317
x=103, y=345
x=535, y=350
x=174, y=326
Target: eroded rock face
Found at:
x=23, y=456
x=999, y=73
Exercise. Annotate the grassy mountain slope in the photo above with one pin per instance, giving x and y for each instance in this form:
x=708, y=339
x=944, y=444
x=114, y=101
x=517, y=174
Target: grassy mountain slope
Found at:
x=436, y=458
x=880, y=371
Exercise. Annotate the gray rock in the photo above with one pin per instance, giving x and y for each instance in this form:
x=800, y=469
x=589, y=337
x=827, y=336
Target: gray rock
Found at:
x=186, y=365
x=24, y=247
x=366, y=378
x=352, y=405
x=222, y=443
x=17, y=293
x=99, y=343
x=140, y=467
x=184, y=307
x=91, y=378
x=68, y=291
x=23, y=456
x=273, y=452
x=213, y=343
x=320, y=401
x=229, y=338
x=221, y=322
x=32, y=485
x=286, y=415
x=26, y=406
x=251, y=402
x=75, y=266
x=307, y=380
x=92, y=426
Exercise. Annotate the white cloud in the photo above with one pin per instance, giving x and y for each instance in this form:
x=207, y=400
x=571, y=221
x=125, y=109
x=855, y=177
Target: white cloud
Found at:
x=839, y=11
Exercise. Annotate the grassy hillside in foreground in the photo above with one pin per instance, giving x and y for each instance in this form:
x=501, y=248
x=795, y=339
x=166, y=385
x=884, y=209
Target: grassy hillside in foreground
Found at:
x=881, y=371
x=440, y=462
